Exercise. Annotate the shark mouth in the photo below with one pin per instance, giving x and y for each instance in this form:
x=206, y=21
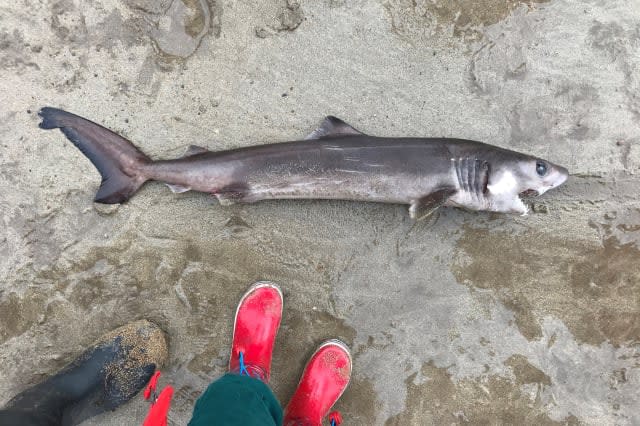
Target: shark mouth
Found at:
x=529, y=193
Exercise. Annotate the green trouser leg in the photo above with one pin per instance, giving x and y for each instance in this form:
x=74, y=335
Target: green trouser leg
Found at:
x=237, y=400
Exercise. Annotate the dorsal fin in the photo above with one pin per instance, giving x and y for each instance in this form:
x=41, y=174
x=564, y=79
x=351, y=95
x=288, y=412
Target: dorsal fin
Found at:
x=193, y=150
x=331, y=127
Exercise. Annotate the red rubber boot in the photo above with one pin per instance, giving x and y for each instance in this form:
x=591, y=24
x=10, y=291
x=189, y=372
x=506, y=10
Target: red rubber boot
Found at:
x=323, y=381
x=254, y=332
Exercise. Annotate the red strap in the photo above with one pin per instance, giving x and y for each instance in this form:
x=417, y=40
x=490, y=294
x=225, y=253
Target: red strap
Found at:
x=158, y=412
x=335, y=418
x=151, y=387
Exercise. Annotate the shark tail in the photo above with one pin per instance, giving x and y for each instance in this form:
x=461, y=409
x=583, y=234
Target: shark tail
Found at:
x=121, y=165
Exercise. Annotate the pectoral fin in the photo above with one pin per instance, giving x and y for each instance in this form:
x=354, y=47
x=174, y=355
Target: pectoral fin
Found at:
x=424, y=206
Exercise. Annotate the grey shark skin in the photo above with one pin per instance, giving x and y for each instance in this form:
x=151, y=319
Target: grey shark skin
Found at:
x=336, y=161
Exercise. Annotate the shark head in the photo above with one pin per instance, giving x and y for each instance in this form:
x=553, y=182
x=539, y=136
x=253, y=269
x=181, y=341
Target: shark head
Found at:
x=537, y=176
x=514, y=179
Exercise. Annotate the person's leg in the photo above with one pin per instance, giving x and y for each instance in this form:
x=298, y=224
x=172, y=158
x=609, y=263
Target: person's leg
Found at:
x=237, y=400
x=104, y=377
x=323, y=381
x=242, y=396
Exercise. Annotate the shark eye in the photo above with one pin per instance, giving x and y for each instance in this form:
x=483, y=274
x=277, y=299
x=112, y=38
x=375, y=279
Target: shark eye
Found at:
x=541, y=168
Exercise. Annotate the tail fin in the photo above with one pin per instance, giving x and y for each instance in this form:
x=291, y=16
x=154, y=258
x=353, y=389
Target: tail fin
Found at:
x=119, y=162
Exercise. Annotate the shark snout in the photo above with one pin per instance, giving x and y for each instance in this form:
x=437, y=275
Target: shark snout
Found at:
x=557, y=178
x=562, y=176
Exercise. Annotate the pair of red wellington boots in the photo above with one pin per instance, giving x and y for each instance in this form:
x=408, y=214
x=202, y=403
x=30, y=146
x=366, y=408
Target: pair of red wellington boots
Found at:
x=325, y=376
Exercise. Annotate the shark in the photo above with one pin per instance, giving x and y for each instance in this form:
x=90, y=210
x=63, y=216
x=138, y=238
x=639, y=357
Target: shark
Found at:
x=336, y=161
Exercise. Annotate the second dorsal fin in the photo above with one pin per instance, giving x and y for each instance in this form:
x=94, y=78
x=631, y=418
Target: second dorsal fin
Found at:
x=332, y=126
x=194, y=150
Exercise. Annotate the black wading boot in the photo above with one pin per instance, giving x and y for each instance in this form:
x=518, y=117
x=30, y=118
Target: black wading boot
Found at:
x=105, y=376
